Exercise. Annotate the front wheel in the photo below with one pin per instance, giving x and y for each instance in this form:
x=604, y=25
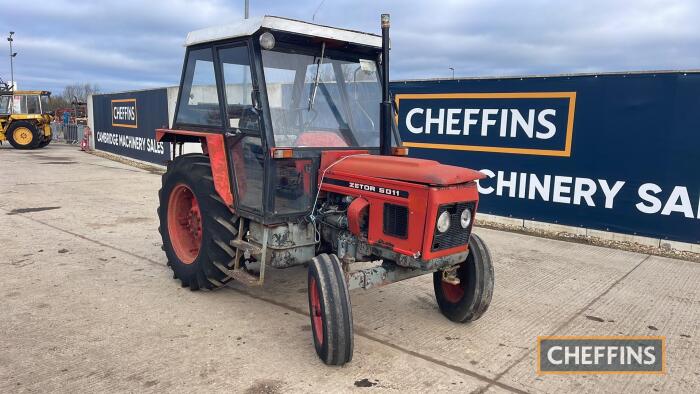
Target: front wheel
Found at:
x=330, y=310
x=467, y=300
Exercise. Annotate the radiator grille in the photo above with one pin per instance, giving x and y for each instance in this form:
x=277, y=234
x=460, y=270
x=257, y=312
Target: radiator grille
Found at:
x=396, y=220
x=455, y=235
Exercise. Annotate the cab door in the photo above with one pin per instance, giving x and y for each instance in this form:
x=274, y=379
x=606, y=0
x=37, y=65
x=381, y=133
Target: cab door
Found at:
x=243, y=129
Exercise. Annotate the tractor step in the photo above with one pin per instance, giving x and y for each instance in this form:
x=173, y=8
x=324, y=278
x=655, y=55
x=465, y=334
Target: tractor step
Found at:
x=244, y=277
x=246, y=247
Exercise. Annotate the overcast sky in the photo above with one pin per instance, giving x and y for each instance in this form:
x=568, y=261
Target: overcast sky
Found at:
x=131, y=44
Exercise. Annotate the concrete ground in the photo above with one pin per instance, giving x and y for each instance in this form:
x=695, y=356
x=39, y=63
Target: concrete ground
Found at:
x=88, y=304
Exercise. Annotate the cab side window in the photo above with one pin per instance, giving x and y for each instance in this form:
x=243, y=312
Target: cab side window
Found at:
x=199, y=99
x=19, y=105
x=248, y=153
x=235, y=68
x=33, y=105
x=5, y=102
x=44, y=104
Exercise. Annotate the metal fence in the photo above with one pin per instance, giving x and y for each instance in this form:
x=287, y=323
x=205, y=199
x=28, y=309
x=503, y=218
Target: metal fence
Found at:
x=70, y=133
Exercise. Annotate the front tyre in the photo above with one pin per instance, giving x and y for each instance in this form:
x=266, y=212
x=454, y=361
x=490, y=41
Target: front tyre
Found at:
x=195, y=224
x=468, y=300
x=330, y=310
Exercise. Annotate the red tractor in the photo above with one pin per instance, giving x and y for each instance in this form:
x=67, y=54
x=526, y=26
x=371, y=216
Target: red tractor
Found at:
x=302, y=164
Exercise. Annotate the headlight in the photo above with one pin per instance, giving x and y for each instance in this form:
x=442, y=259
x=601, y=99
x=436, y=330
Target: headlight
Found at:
x=466, y=218
x=443, y=222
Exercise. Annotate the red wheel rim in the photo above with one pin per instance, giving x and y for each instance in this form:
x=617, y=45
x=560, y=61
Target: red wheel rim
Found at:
x=453, y=293
x=316, y=312
x=184, y=223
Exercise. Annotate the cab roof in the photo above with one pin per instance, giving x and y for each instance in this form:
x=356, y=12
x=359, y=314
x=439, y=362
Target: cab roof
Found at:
x=27, y=92
x=247, y=27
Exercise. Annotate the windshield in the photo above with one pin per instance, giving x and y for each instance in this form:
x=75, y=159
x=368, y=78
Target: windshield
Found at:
x=5, y=104
x=343, y=112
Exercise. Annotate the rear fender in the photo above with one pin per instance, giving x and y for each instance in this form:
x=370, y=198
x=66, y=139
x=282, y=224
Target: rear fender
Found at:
x=214, y=146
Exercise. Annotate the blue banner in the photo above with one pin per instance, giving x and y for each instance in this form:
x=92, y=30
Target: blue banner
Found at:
x=614, y=152
x=125, y=124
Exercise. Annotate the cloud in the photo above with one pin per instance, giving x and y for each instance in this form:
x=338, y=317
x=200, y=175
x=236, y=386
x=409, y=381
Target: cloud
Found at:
x=133, y=44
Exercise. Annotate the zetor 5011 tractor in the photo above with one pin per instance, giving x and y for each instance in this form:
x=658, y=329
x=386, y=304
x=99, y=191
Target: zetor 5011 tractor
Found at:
x=302, y=164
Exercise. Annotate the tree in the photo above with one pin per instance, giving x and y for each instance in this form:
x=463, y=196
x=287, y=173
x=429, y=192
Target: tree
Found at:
x=79, y=91
x=71, y=93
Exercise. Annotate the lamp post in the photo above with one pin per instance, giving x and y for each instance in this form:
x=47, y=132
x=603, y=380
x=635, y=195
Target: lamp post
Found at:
x=453, y=72
x=12, y=55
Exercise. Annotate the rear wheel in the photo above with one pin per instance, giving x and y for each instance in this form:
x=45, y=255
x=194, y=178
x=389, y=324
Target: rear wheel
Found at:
x=23, y=135
x=195, y=224
x=330, y=310
x=471, y=297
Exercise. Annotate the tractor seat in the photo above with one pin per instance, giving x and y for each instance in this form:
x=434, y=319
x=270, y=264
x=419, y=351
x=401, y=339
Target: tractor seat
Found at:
x=320, y=139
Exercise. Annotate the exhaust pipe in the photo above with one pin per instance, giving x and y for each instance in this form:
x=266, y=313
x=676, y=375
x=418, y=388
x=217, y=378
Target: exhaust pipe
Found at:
x=385, y=106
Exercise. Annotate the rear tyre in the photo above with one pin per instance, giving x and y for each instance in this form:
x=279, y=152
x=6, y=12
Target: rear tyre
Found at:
x=468, y=300
x=330, y=310
x=23, y=135
x=195, y=224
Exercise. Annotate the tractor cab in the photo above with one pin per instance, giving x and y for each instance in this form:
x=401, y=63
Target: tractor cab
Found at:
x=281, y=89
x=24, y=102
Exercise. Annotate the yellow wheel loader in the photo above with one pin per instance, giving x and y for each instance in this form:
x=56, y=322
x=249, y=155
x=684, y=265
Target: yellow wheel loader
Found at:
x=24, y=118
